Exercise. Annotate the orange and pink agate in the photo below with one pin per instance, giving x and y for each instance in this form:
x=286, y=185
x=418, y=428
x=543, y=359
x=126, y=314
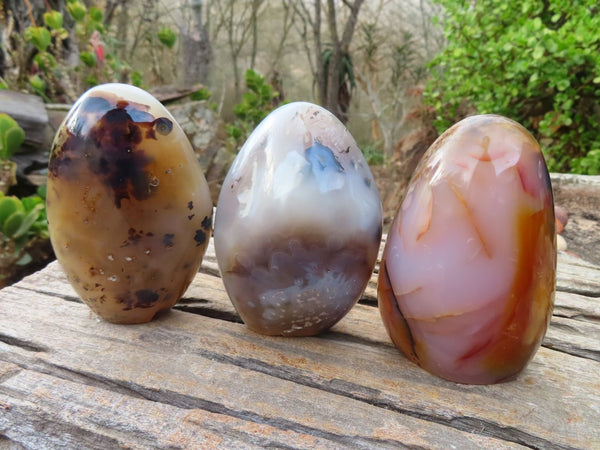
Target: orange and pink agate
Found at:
x=467, y=279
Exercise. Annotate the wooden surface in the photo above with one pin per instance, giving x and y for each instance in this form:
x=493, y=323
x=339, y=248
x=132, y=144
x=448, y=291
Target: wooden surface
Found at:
x=196, y=377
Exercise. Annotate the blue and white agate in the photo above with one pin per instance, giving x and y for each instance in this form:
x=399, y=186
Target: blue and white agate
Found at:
x=298, y=223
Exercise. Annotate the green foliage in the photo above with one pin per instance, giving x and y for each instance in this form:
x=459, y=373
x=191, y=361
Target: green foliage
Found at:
x=373, y=154
x=136, y=78
x=11, y=136
x=96, y=15
x=77, y=11
x=588, y=164
x=88, y=58
x=167, y=37
x=40, y=64
x=97, y=63
x=21, y=222
x=53, y=20
x=39, y=37
x=200, y=94
x=39, y=86
x=535, y=61
x=45, y=61
x=257, y=102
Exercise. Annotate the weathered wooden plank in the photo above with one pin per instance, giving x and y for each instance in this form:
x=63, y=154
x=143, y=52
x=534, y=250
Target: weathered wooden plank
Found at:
x=574, y=329
x=359, y=325
x=553, y=403
x=43, y=411
x=552, y=375
x=577, y=276
x=574, y=337
x=577, y=307
x=207, y=296
x=173, y=361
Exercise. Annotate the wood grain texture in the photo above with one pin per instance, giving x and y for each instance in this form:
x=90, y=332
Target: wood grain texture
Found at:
x=196, y=377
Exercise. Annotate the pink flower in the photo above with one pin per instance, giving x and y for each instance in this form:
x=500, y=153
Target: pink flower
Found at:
x=98, y=45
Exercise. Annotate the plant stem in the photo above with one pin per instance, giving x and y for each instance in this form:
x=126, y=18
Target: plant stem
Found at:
x=30, y=12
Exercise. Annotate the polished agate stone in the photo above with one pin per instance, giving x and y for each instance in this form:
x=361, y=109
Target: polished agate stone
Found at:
x=467, y=280
x=129, y=209
x=298, y=223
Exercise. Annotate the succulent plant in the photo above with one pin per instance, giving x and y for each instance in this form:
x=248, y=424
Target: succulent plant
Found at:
x=11, y=136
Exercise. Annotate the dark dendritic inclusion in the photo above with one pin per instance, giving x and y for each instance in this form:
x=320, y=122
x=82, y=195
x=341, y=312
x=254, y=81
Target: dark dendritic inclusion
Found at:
x=111, y=148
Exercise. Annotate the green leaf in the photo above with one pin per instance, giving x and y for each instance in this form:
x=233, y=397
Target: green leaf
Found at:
x=77, y=10
x=45, y=61
x=563, y=84
x=12, y=136
x=27, y=221
x=31, y=202
x=538, y=52
x=96, y=14
x=200, y=94
x=53, y=19
x=88, y=58
x=8, y=206
x=13, y=139
x=533, y=78
x=136, y=78
x=60, y=34
x=41, y=191
x=167, y=37
x=25, y=259
x=13, y=223
x=39, y=37
x=91, y=80
x=233, y=131
x=37, y=83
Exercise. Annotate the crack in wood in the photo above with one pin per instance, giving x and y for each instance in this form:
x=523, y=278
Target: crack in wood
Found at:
x=191, y=300
x=477, y=426
x=188, y=402
x=68, y=298
x=368, y=301
x=579, y=316
x=333, y=335
x=577, y=352
x=6, y=376
x=40, y=430
x=580, y=291
x=373, y=397
x=209, y=271
x=334, y=386
x=21, y=343
x=184, y=401
x=207, y=311
x=65, y=373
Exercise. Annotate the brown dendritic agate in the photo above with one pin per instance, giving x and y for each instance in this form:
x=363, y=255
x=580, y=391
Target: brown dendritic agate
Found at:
x=467, y=280
x=298, y=223
x=129, y=210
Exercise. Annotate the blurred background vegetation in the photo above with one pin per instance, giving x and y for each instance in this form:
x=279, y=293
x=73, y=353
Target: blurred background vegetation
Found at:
x=396, y=72
x=384, y=67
